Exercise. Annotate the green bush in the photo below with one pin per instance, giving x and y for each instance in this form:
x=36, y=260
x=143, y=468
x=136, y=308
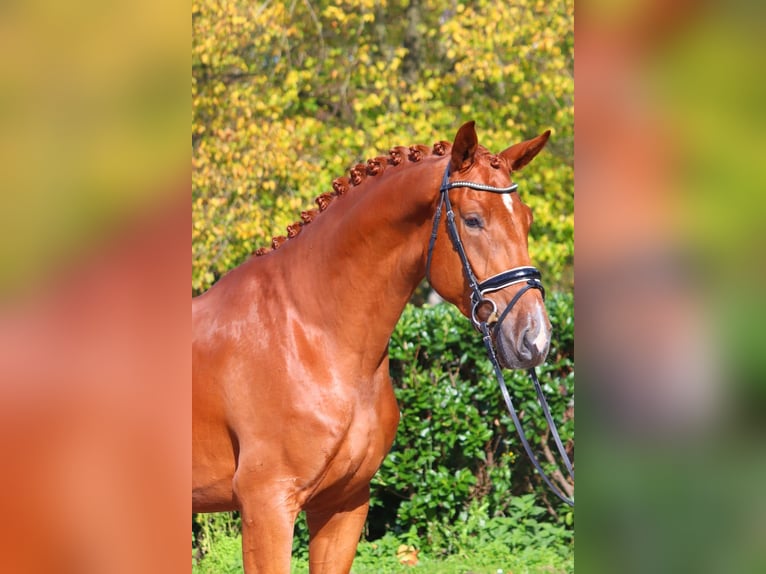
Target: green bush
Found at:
x=456, y=443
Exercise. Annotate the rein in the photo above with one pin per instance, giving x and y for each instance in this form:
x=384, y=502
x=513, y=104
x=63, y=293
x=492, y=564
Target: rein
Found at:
x=525, y=274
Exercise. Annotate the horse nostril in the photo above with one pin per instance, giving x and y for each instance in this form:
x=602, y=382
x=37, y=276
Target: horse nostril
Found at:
x=534, y=341
x=527, y=348
x=528, y=341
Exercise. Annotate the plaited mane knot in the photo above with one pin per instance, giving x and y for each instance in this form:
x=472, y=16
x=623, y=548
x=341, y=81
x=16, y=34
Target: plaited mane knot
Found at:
x=323, y=201
x=358, y=173
x=294, y=229
x=397, y=155
x=261, y=251
x=340, y=185
x=416, y=152
x=308, y=216
x=440, y=148
x=376, y=165
x=277, y=241
x=494, y=161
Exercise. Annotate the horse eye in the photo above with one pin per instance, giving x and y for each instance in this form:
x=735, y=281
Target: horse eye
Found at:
x=473, y=221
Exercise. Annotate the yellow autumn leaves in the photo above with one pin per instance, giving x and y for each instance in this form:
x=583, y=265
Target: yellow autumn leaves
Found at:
x=285, y=97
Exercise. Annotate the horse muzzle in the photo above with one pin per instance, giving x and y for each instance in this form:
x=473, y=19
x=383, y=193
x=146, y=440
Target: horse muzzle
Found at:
x=525, y=346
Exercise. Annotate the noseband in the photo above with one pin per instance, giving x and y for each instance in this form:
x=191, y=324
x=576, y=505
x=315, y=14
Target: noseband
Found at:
x=525, y=274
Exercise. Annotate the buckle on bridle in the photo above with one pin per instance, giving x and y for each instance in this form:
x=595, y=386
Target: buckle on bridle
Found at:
x=492, y=318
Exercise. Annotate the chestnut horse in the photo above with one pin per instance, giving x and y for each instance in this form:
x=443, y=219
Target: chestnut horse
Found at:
x=293, y=408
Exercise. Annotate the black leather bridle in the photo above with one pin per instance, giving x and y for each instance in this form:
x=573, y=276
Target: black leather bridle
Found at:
x=528, y=275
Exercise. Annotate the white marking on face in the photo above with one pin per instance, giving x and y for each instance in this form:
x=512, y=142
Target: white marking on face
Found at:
x=508, y=202
x=541, y=341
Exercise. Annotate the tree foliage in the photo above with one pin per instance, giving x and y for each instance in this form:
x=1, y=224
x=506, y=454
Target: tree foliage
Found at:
x=287, y=96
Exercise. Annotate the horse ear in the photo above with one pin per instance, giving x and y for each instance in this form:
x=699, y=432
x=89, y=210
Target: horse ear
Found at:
x=464, y=147
x=520, y=154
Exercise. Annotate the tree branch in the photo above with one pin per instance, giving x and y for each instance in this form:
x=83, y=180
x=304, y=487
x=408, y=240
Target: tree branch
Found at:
x=560, y=480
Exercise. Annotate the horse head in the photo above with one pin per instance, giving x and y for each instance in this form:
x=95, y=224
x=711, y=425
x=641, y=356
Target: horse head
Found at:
x=492, y=282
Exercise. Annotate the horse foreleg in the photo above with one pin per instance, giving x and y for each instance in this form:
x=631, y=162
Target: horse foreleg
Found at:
x=267, y=527
x=335, y=535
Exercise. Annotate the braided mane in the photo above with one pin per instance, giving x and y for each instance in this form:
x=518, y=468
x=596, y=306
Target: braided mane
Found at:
x=357, y=174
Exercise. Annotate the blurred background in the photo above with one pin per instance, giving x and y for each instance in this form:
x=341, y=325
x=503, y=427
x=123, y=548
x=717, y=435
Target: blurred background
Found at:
x=94, y=219
x=669, y=196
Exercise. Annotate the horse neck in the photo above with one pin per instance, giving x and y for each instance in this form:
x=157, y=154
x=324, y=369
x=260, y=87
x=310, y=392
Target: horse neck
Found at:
x=368, y=254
